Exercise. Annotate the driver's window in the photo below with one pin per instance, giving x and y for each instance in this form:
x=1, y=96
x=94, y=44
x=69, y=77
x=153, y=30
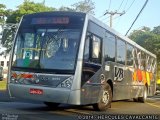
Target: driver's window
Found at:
x=92, y=49
x=96, y=43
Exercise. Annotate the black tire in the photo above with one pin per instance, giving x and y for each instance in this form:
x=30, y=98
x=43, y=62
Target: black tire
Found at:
x=52, y=104
x=105, y=100
x=144, y=97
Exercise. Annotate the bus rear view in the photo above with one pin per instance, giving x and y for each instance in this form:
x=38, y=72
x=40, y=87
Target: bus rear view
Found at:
x=44, y=58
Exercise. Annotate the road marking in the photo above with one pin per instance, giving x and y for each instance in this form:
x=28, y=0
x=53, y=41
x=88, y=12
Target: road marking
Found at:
x=153, y=105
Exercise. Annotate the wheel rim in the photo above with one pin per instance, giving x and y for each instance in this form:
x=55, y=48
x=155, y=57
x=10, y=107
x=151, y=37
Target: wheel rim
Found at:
x=105, y=98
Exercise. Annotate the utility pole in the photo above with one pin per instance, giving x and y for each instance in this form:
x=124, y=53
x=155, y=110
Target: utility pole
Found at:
x=112, y=14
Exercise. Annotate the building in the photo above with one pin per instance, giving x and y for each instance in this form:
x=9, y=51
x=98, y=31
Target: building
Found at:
x=4, y=62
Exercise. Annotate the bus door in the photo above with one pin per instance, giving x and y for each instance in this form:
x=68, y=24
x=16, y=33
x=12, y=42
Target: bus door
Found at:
x=92, y=69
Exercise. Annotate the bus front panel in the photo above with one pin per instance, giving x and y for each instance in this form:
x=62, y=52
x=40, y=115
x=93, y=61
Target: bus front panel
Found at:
x=45, y=55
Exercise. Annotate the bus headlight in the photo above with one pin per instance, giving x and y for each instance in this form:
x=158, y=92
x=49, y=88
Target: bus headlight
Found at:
x=66, y=83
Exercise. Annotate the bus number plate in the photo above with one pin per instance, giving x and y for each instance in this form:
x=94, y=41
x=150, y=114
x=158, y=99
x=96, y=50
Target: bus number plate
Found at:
x=36, y=91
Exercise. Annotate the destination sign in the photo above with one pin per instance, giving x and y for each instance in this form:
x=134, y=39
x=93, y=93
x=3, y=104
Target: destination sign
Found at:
x=51, y=20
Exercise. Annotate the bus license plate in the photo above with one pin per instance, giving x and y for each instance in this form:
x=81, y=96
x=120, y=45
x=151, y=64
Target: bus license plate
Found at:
x=36, y=91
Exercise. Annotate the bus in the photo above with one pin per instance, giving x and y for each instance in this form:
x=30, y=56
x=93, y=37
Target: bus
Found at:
x=1, y=73
x=73, y=58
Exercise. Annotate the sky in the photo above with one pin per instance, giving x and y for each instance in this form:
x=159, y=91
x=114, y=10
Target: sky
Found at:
x=149, y=17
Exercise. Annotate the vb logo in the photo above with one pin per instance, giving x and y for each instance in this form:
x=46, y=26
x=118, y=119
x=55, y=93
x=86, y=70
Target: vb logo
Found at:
x=118, y=73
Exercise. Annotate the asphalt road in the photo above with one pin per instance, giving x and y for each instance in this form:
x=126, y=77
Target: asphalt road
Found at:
x=20, y=110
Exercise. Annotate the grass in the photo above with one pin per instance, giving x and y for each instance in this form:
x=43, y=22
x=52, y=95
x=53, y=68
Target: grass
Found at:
x=3, y=85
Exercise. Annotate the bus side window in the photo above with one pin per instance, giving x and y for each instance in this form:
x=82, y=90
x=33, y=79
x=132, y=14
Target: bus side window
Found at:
x=130, y=50
x=110, y=44
x=121, y=51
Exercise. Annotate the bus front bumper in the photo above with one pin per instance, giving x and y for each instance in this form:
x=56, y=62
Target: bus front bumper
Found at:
x=57, y=95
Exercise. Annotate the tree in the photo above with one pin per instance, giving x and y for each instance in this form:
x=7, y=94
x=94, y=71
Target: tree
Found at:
x=2, y=13
x=156, y=30
x=145, y=29
x=7, y=38
x=62, y=8
x=27, y=7
x=13, y=17
x=86, y=6
x=150, y=40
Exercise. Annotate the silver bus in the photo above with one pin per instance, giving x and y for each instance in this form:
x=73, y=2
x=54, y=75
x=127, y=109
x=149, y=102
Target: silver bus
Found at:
x=73, y=58
x=1, y=73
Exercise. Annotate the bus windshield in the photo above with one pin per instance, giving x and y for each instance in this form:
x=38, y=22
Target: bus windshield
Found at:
x=47, y=42
x=46, y=48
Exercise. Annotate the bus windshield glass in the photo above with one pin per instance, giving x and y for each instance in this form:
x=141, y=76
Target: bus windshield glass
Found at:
x=44, y=45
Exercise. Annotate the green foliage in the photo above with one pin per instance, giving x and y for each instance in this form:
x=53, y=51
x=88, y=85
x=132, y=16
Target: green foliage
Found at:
x=86, y=6
x=27, y=7
x=9, y=31
x=7, y=38
x=66, y=9
x=150, y=40
x=156, y=30
x=146, y=29
x=2, y=13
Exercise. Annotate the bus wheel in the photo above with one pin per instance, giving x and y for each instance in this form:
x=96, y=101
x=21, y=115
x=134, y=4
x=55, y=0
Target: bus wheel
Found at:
x=144, y=97
x=52, y=104
x=105, y=100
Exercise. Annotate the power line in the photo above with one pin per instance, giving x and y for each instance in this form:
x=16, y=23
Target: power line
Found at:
x=109, y=5
x=119, y=9
x=112, y=14
x=126, y=10
x=130, y=5
x=120, y=5
x=125, y=5
x=108, y=8
x=137, y=16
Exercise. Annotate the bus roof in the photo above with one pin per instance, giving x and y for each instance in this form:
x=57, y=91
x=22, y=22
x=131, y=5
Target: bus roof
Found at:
x=117, y=34
x=56, y=13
